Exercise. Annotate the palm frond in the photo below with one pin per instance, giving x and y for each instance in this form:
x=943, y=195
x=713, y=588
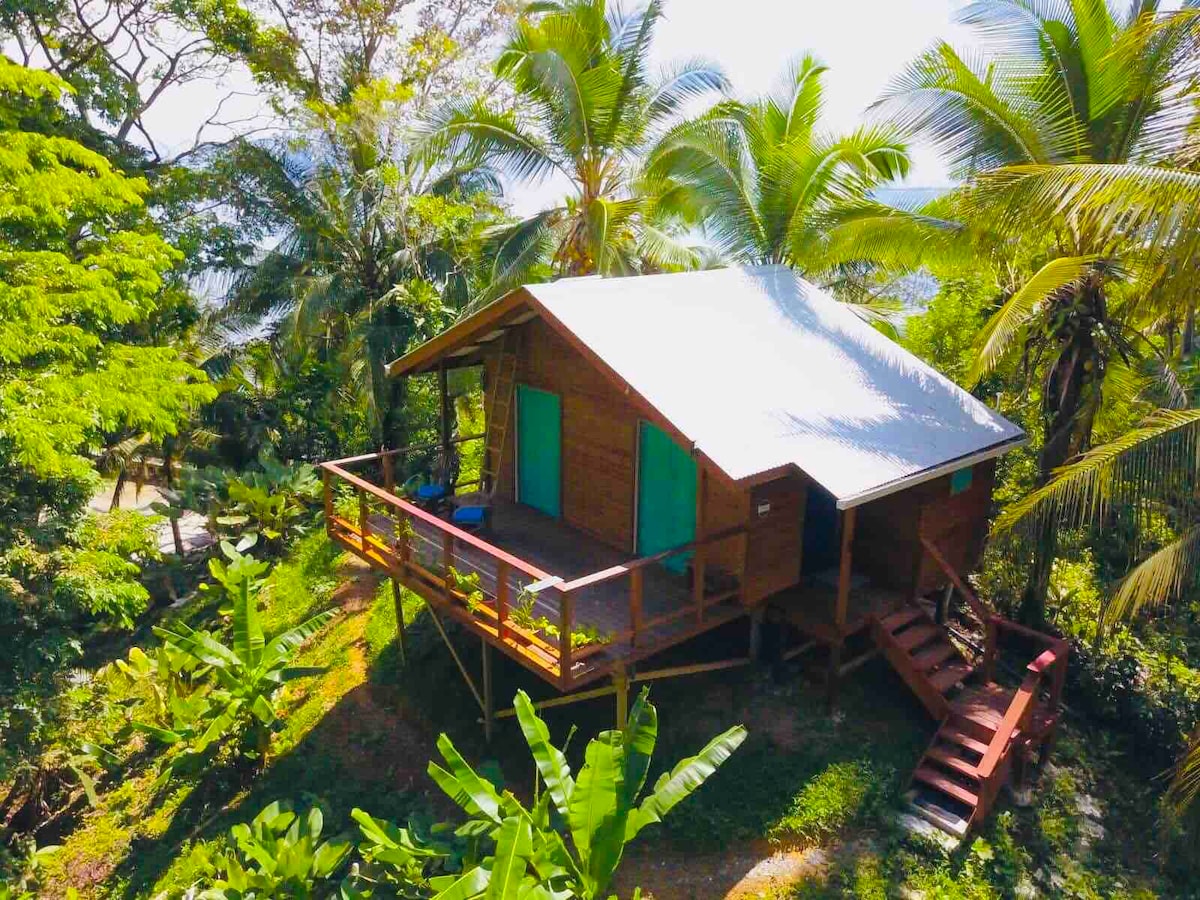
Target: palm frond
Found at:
x=1159, y=459
x=1006, y=324
x=1185, y=782
x=474, y=130
x=1160, y=578
x=982, y=115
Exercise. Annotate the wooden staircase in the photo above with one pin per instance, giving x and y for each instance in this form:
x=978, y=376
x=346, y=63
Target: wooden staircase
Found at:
x=499, y=411
x=923, y=655
x=984, y=729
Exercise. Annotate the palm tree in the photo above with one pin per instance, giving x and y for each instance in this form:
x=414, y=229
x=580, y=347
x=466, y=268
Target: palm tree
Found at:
x=372, y=248
x=770, y=185
x=588, y=112
x=1058, y=85
x=1153, y=469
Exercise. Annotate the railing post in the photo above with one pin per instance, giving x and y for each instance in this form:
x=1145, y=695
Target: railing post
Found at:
x=447, y=562
x=566, y=623
x=991, y=631
x=364, y=521
x=328, y=479
x=389, y=471
x=1058, y=678
x=501, y=598
x=635, y=604
x=698, y=567
x=403, y=541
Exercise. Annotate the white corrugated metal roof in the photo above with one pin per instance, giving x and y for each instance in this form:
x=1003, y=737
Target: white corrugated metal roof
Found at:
x=762, y=370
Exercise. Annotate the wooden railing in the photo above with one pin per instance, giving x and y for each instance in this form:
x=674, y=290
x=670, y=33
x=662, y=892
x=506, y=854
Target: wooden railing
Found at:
x=420, y=548
x=1018, y=729
x=1033, y=713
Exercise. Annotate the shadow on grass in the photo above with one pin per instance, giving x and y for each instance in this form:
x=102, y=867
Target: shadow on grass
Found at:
x=370, y=744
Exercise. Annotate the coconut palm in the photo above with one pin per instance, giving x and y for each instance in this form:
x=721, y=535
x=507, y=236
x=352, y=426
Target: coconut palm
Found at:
x=769, y=182
x=1057, y=84
x=1152, y=470
x=369, y=255
x=588, y=112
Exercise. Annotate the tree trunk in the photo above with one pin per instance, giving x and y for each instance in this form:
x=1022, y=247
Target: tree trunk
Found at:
x=116, y=497
x=169, y=478
x=1076, y=371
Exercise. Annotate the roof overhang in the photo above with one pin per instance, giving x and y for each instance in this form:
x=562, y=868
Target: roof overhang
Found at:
x=465, y=342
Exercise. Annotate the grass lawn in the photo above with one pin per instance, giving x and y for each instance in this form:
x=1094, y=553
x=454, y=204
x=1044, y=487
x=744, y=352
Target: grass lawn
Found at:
x=805, y=808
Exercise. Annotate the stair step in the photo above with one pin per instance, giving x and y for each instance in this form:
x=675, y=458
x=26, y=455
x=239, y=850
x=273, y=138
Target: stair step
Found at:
x=948, y=677
x=951, y=822
x=946, y=785
x=954, y=736
x=934, y=656
x=917, y=636
x=953, y=762
x=898, y=620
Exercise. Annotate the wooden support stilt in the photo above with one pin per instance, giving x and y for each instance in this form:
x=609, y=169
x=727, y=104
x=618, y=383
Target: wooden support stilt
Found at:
x=621, y=684
x=943, y=607
x=833, y=675
x=756, y=627
x=398, y=599
x=488, y=699
x=843, y=602
x=457, y=659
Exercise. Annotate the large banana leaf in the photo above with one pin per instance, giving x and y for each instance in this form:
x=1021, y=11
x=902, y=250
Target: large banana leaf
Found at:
x=463, y=784
x=550, y=761
x=680, y=782
x=640, y=736
x=199, y=645
x=593, y=814
x=463, y=887
x=282, y=646
x=514, y=846
x=248, y=640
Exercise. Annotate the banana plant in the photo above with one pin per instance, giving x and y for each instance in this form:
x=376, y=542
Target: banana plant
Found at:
x=278, y=854
x=602, y=807
x=242, y=679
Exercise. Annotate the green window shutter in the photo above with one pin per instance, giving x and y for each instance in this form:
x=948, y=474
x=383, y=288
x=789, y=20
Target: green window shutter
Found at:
x=961, y=480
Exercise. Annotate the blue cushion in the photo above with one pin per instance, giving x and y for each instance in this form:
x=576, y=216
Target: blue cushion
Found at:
x=469, y=515
x=431, y=491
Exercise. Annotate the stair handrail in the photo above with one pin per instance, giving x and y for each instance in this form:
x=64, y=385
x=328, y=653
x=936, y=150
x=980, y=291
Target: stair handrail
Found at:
x=1020, y=710
x=981, y=612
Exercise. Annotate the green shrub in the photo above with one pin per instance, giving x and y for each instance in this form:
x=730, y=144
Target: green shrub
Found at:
x=839, y=795
x=279, y=854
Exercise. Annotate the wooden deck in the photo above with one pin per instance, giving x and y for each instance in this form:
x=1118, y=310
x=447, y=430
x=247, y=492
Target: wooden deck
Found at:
x=560, y=602
x=811, y=606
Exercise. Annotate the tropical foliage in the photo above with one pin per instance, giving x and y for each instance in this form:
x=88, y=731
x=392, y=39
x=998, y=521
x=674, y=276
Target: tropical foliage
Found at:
x=205, y=321
x=589, y=111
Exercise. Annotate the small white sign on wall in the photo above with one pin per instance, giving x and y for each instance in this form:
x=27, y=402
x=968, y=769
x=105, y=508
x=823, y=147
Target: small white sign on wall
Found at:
x=764, y=507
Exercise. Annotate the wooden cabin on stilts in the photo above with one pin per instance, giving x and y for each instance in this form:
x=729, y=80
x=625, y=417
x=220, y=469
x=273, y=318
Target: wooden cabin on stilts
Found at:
x=666, y=454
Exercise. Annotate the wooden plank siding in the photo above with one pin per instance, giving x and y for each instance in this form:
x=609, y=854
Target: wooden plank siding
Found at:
x=887, y=546
x=599, y=452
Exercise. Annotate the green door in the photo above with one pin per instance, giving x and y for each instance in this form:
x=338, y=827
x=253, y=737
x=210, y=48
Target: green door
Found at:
x=666, y=512
x=539, y=450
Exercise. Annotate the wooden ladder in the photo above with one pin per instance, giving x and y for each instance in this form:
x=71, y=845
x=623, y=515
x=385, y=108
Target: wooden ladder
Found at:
x=499, y=410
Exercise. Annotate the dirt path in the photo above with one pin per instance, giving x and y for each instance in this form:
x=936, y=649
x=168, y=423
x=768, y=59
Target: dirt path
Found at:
x=739, y=872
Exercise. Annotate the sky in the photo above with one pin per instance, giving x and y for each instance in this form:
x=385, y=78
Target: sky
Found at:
x=864, y=43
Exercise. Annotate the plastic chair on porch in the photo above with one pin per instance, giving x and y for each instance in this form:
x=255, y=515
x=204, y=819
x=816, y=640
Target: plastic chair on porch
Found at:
x=428, y=490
